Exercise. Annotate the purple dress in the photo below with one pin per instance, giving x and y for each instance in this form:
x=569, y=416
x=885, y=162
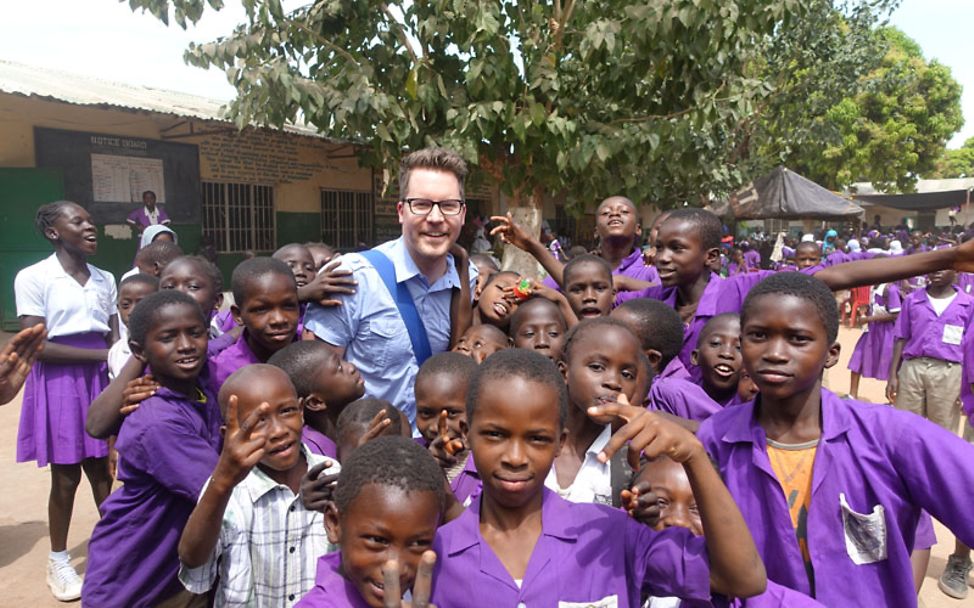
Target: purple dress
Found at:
x=56, y=401
x=874, y=351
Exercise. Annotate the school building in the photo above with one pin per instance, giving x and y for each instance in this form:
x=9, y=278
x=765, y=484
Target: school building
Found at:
x=103, y=143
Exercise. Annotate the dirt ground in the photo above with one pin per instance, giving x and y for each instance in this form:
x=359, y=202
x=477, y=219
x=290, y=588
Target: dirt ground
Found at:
x=23, y=513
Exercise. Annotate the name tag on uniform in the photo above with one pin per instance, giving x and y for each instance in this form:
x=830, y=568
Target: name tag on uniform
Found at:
x=610, y=601
x=953, y=334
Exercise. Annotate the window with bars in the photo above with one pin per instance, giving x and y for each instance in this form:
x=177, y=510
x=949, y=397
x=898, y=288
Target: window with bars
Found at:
x=347, y=219
x=239, y=217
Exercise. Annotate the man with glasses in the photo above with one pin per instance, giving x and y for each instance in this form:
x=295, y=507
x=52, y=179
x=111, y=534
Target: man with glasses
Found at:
x=400, y=312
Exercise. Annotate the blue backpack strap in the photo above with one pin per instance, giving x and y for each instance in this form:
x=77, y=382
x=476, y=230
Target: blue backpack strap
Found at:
x=404, y=302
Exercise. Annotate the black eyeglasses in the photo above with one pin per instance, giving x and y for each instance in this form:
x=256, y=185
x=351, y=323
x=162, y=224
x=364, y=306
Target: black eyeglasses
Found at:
x=423, y=206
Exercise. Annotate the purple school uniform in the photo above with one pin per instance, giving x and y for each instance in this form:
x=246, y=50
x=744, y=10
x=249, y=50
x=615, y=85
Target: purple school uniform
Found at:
x=721, y=295
x=231, y=359
x=926, y=334
x=140, y=218
x=967, y=376
x=319, y=443
x=681, y=397
x=674, y=369
x=217, y=345
x=965, y=282
x=873, y=353
x=886, y=464
x=167, y=449
x=586, y=553
x=752, y=258
x=331, y=590
x=467, y=485
x=633, y=265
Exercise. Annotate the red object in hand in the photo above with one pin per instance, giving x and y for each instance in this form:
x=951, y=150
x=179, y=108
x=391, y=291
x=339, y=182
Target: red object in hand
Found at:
x=523, y=289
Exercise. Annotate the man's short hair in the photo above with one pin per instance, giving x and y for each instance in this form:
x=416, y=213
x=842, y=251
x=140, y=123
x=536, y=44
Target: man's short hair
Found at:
x=439, y=159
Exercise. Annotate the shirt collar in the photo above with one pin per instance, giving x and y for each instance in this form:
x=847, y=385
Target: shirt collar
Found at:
x=599, y=443
x=556, y=520
x=708, y=299
x=407, y=269
x=57, y=271
x=628, y=261
x=835, y=420
x=259, y=483
x=674, y=369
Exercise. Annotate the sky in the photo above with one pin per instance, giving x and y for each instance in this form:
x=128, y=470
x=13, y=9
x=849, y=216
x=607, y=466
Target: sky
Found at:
x=107, y=40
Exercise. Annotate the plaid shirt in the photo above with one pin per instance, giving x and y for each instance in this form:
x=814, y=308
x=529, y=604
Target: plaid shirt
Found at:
x=268, y=548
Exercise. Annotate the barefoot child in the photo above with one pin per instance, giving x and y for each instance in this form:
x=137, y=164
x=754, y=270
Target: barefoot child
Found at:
x=832, y=490
x=325, y=384
x=388, y=504
x=522, y=543
x=250, y=534
x=76, y=302
x=481, y=341
x=167, y=448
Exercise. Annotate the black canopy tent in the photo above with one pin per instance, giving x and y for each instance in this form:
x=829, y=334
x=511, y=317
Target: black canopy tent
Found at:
x=783, y=194
x=918, y=201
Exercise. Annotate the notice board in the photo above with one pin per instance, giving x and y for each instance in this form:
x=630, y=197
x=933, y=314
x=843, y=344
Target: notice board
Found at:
x=107, y=174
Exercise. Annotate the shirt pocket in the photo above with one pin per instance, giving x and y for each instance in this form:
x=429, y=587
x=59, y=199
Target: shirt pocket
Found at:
x=385, y=341
x=865, y=534
x=609, y=601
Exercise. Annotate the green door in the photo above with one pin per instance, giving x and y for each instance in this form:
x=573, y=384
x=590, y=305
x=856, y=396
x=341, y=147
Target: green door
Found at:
x=22, y=191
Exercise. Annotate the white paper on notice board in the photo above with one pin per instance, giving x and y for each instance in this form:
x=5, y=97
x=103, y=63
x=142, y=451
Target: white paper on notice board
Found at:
x=123, y=179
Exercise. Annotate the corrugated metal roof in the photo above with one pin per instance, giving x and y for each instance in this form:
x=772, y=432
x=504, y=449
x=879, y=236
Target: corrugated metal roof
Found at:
x=32, y=81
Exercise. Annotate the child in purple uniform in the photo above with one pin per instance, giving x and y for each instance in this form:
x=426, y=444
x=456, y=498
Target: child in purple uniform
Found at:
x=588, y=286
x=660, y=333
x=832, y=490
x=387, y=506
x=76, y=301
x=167, y=448
x=266, y=304
x=194, y=276
x=326, y=384
x=874, y=349
x=718, y=355
x=929, y=333
x=523, y=544
x=441, y=419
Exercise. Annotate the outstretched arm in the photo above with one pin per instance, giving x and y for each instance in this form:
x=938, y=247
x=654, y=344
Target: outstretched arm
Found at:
x=515, y=235
x=16, y=359
x=889, y=269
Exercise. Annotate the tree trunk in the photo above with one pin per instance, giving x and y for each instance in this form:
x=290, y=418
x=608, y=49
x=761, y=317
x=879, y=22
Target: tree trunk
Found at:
x=529, y=217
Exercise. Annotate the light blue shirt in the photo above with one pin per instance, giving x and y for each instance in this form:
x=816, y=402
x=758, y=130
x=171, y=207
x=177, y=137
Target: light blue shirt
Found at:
x=369, y=327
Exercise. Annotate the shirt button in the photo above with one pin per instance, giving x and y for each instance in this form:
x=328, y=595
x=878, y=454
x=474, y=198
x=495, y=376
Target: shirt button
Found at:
x=291, y=597
x=292, y=509
x=291, y=550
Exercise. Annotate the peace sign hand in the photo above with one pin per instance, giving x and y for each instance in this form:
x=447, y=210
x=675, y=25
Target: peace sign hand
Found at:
x=244, y=444
x=445, y=446
x=647, y=433
x=422, y=587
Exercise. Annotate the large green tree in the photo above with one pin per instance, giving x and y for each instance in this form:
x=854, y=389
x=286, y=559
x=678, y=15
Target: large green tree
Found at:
x=955, y=163
x=574, y=98
x=877, y=111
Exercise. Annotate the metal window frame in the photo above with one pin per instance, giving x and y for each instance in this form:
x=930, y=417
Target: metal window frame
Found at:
x=239, y=216
x=340, y=206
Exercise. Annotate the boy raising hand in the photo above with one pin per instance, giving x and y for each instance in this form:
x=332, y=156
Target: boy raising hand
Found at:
x=249, y=514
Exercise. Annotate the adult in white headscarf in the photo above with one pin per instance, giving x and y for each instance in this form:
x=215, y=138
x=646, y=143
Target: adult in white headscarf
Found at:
x=895, y=248
x=854, y=246
x=157, y=232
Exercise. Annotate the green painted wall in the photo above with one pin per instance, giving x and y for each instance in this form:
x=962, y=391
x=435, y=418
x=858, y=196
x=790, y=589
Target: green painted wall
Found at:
x=298, y=228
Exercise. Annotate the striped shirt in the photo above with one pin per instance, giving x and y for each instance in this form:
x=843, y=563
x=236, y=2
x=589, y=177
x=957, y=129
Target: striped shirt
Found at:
x=268, y=547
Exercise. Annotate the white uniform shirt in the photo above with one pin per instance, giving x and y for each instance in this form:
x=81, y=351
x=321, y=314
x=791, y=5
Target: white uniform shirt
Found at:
x=118, y=356
x=46, y=290
x=593, y=483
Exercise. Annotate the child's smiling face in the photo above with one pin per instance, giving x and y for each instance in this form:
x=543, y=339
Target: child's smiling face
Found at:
x=719, y=354
x=383, y=523
x=514, y=436
x=175, y=345
x=680, y=256
x=437, y=393
x=784, y=345
x=678, y=507
x=589, y=291
x=495, y=306
x=269, y=311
